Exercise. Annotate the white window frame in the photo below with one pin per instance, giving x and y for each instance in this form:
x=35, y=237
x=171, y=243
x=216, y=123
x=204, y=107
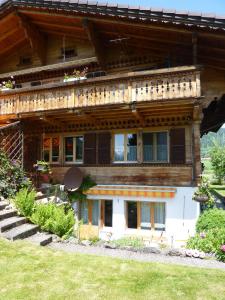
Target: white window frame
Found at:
x=155, y=148
x=125, y=134
x=74, y=161
x=50, y=150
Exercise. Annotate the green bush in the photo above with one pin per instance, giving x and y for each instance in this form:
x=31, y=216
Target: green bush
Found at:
x=24, y=201
x=209, y=242
x=54, y=219
x=217, y=155
x=12, y=177
x=211, y=219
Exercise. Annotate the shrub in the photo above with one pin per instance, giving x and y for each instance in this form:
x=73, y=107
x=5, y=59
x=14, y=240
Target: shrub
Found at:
x=209, y=242
x=211, y=219
x=12, y=177
x=217, y=155
x=24, y=201
x=54, y=219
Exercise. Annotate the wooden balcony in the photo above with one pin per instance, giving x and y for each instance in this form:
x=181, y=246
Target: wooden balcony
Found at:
x=164, y=84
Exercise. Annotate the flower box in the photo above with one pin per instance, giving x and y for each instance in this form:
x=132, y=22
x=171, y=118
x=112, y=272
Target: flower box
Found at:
x=201, y=198
x=5, y=89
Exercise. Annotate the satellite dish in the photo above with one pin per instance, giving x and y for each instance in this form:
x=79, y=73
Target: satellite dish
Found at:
x=73, y=179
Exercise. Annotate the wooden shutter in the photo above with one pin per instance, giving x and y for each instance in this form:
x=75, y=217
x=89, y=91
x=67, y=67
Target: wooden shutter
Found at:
x=90, y=148
x=32, y=151
x=104, y=148
x=177, y=146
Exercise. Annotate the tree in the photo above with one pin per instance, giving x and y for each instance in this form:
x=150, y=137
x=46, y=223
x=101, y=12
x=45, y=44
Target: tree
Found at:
x=217, y=155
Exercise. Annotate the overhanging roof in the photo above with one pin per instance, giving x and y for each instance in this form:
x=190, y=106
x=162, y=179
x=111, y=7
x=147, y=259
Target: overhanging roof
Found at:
x=119, y=11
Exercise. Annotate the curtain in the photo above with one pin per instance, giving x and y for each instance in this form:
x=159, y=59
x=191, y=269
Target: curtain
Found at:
x=145, y=216
x=159, y=216
x=84, y=211
x=95, y=212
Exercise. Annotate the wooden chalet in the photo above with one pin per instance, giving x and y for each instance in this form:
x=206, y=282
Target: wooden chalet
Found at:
x=155, y=82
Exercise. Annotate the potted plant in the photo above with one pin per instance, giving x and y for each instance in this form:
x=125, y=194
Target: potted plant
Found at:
x=202, y=194
x=76, y=75
x=7, y=85
x=44, y=170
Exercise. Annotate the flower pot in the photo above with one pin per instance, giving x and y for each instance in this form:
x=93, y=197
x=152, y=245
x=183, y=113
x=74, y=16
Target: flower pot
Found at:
x=74, y=79
x=40, y=168
x=6, y=89
x=45, y=178
x=201, y=198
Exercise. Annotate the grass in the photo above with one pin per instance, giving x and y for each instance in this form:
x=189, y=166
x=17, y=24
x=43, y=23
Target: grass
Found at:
x=29, y=272
x=219, y=189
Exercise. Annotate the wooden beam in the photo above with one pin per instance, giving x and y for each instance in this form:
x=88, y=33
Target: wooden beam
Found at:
x=36, y=39
x=93, y=37
x=195, y=47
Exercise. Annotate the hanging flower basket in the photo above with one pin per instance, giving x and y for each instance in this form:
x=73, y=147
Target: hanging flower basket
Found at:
x=201, y=198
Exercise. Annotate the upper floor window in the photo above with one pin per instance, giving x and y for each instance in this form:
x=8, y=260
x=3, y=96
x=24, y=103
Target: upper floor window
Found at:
x=51, y=149
x=125, y=147
x=74, y=149
x=155, y=146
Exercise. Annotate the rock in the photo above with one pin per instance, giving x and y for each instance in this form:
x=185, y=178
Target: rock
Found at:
x=86, y=243
x=100, y=243
x=110, y=245
x=175, y=252
x=150, y=250
x=8, y=207
x=73, y=240
x=56, y=239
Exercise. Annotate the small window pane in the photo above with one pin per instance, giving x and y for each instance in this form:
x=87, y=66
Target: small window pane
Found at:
x=47, y=143
x=95, y=212
x=55, y=149
x=108, y=213
x=132, y=214
x=131, y=147
x=119, y=147
x=148, y=152
x=69, y=149
x=145, y=216
x=79, y=148
x=162, y=151
x=84, y=211
x=46, y=155
x=159, y=216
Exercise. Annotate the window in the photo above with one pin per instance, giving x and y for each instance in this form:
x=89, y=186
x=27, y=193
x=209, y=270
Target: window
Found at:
x=68, y=52
x=125, y=147
x=108, y=209
x=146, y=215
x=155, y=147
x=74, y=149
x=51, y=149
x=90, y=212
x=25, y=61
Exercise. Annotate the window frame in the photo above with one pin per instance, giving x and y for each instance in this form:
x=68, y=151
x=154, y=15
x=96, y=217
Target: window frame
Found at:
x=50, y=150
x=155, y=147
x=152, y=215
x=74, y=161
x=125, y=134
x=90, y=212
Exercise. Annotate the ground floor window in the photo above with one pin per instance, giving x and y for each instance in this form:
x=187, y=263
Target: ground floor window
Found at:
x=146, y=215
x=51, y=149
x=90, y=212
x=108, y=212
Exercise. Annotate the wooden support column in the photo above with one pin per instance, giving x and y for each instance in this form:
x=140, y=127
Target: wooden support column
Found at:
x=152, y=213
x=138, y=215
x=90, y=212
x=196, y=153
x=195, y=47
x=102, y=217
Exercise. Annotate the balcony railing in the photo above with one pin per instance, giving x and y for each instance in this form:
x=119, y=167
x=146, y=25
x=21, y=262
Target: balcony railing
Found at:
x=164, y=84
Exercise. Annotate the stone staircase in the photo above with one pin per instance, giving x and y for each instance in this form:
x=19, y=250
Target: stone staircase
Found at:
x=14, y=227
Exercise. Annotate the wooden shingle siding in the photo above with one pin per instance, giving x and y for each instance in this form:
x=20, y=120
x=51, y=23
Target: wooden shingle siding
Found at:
x=177, y=146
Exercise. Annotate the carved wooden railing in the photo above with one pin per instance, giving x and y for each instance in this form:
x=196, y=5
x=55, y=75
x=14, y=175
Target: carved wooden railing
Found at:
x=165, y=84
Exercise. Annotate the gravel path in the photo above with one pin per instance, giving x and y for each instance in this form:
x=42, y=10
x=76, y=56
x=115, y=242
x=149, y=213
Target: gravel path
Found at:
x=124, y=254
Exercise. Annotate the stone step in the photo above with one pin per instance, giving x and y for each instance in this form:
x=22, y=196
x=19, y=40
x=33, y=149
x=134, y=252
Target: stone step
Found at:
x=4, y=214
x=3, y=204
x=12, y=222
x=40, y=238
x=20, y=232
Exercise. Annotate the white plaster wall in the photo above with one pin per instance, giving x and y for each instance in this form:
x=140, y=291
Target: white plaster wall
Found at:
x=181, y=216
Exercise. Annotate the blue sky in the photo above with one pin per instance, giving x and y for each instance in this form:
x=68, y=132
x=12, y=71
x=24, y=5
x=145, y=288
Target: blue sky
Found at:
x=208, y=6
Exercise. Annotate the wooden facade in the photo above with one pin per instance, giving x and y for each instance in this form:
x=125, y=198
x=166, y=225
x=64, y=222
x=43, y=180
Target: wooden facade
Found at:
x=144, y=76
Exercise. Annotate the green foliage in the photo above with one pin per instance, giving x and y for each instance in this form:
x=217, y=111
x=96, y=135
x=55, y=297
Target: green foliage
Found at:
x=134, y=242
x=217, y=155
x=12, y=177
x=210, y=140
x=211, y=219
x=80, y=193
x=54, y=219
x=25, y=202
x=209, y=242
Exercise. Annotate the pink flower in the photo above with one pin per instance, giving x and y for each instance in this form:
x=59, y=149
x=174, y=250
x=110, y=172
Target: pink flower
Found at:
x=223, y=248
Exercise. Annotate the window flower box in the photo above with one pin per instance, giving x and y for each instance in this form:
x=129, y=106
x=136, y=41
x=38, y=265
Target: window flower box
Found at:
x=71, y=79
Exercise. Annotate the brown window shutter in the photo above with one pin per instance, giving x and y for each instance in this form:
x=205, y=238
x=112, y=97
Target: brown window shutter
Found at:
x=177, y=146
x=90, y=148
x=32, y=151
x=104, y=148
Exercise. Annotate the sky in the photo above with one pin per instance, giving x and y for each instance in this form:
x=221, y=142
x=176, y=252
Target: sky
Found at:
x=206, y=6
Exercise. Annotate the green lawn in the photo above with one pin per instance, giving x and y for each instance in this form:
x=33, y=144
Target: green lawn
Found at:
x=28, y=272
x=220, y=189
